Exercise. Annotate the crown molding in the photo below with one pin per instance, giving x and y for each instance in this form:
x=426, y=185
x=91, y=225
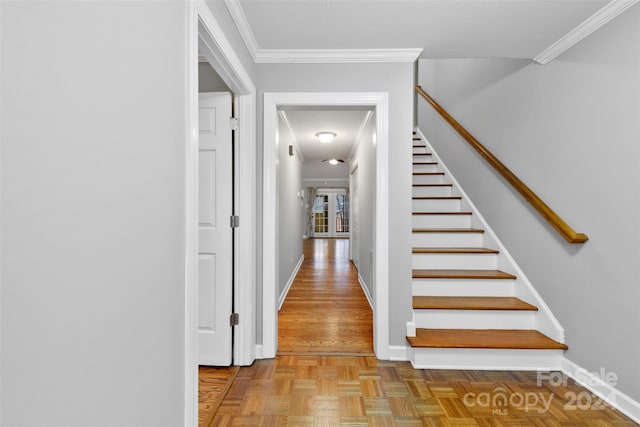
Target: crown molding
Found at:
x=591, y=24
x=336, y=56
x=240, y=19
x=312, y=56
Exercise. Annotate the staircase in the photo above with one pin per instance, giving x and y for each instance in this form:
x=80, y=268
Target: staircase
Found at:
x=473, y=308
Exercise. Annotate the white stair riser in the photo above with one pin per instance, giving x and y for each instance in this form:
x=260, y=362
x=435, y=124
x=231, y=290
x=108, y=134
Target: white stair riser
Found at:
x=423, y=158
x=455, y=261
x=447, y=240
x=485, y=359
x=474, y=319
x=425, y=168
x=419, y=149
x=432, y=191
x=435, y=205
x=428, y=179
x=462, y=287
x=441, y=221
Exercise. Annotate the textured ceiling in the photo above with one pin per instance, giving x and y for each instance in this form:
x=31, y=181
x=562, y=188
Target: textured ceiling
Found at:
x=443, y=28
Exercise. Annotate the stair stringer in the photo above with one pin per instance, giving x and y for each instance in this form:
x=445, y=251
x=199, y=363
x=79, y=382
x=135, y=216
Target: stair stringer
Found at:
x=545, y=321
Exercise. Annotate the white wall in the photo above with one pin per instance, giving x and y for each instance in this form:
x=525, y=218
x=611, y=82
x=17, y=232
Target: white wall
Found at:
x=92, y=196
x=365, y=160
x=570, y=130
x=289, y=207
x=397, y=80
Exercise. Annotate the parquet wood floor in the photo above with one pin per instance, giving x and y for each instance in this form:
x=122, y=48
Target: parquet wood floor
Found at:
x=362, y=391
x=213, y=383
x=325, y=311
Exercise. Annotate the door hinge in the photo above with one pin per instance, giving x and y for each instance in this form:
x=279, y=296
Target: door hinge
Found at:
x=235, y=221
x=234, y=319
x=235, y=123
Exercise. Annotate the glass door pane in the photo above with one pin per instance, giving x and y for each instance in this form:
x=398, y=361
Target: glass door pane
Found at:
x=321, y=214
x=342, y=213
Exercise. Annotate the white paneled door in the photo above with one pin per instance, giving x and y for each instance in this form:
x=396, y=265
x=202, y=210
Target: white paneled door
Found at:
x=214, y=230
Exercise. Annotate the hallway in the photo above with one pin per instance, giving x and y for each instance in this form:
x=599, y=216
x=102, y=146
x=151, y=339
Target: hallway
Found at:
x=325, y=311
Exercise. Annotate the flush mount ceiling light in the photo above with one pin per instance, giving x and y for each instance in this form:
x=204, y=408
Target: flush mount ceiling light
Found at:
x=325, y=137
x=333, y=161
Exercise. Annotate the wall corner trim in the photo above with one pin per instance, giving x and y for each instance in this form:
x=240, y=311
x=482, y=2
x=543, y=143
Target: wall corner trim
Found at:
x=591, y=24
x=601, y=388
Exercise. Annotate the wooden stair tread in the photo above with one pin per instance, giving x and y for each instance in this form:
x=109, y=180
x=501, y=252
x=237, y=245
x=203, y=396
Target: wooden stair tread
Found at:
x=437, y=197
x=433, y=185
x=421, y=154
x=461, y=274
x=428, y=173
x=447, y=230
x=425, y=163
x=442, y=213
x=454, y=251
x=471, y=303
x=484, y=338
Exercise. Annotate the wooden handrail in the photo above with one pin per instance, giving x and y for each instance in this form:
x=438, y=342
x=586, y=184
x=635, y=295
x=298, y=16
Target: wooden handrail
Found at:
x=543, y=209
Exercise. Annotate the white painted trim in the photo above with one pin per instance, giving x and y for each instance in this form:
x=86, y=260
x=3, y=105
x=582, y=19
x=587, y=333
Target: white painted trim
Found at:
x=294, y=273
x=591, y=24
x=259, y=351
x=365, y=290
x=246, y=242
x=335, y=56
x=292, y=134
x=398, y=353
x=381, y=254
x=191, y=223
x=481, y=359
x=607, y=392
x=312, y=56
x=221, y=55
x=546, y=322
x=240, y=19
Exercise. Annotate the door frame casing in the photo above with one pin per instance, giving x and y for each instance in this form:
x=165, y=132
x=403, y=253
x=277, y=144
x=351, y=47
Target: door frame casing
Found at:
x=380, y=102
x=204, y=34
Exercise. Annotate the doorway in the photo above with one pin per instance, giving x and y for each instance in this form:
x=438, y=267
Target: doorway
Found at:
x=330, y=213
x=378, y=102
x=207, y=40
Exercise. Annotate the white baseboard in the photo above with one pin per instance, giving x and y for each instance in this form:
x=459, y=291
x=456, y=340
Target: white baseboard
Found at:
x=603, y=389
x=398, y=353
x=259, y=351
x=365, y=290
x=294, y=273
